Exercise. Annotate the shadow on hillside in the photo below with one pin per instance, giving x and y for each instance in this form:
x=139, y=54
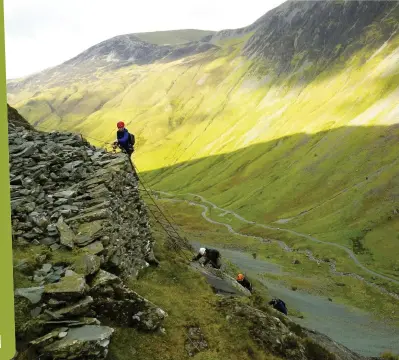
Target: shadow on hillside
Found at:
x=349, y=175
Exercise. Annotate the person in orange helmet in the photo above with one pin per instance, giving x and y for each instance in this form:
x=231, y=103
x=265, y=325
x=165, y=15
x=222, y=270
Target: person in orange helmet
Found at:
x=125, y=140
x=243, y=281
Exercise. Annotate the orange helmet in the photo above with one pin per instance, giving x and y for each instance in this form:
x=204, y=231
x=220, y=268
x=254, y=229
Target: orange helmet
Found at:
x=240, y=277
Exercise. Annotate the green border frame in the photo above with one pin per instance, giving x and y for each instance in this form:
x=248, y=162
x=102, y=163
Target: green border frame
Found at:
x=7, y=324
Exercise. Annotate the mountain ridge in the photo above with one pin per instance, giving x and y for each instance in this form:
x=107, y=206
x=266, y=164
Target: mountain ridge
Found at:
x=288, y=52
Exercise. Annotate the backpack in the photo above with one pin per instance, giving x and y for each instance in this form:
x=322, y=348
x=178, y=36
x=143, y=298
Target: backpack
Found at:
x=280, y=305
x=132, y=139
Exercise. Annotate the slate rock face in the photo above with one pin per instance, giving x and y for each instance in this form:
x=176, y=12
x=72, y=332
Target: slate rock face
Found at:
x=69, y=196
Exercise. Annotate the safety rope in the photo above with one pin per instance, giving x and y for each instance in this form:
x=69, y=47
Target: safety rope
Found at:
x=178, y=244
x=176, y=241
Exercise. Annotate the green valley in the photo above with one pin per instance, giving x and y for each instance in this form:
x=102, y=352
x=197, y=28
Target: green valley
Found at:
x=289, y=123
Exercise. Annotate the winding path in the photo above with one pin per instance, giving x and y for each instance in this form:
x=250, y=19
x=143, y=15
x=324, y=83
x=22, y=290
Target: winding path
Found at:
x=281, y=243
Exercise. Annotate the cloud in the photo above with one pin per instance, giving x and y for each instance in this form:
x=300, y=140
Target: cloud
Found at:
x=45, y=33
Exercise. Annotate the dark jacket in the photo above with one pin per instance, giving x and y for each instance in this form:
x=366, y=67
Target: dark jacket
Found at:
x=245, y=283
x=279, y=305
x=210, y=255
x=125, y=139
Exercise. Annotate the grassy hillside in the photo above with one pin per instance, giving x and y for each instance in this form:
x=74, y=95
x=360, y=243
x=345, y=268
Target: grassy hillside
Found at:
x=306, y=276
x=189, y=301
x=173, y=37
x=318, y=156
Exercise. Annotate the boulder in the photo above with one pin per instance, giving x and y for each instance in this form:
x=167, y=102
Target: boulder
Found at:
x=33, y=294
x=66, y=234
x=80, y=308
x=89, y=342
x=69, y=287
x=39, y=220
x=221, y=282
x=46, y=268
x=46, y=339
x=87, y=264
x=88, y=232
x=67, y=194
x=94, y=248
x=122, y=306
x=149, y=319
x=89, y=217
x=103, y=279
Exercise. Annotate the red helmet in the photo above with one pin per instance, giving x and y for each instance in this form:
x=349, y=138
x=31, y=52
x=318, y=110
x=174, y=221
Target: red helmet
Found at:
x=120, y=124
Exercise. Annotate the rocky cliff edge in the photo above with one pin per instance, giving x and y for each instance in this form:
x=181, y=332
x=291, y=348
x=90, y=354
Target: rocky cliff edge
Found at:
x=79, y=230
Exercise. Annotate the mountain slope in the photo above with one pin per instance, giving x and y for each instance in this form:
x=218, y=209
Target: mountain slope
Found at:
x=291, y=119
x=115, y=53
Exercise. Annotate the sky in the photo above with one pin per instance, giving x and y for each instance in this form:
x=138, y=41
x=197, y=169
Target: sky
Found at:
x=45, y=33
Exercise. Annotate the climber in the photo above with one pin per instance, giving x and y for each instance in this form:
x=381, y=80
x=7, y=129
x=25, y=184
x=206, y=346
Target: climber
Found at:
x=211, y=256
x=125, y=140
x=279, y=305
x=243, y=281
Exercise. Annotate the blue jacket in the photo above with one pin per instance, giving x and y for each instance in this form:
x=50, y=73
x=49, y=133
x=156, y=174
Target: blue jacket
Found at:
x=279, y=305
x=124, y=139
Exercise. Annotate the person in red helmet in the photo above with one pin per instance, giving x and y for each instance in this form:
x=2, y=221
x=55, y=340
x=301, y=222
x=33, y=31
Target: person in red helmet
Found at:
x=125, y=140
